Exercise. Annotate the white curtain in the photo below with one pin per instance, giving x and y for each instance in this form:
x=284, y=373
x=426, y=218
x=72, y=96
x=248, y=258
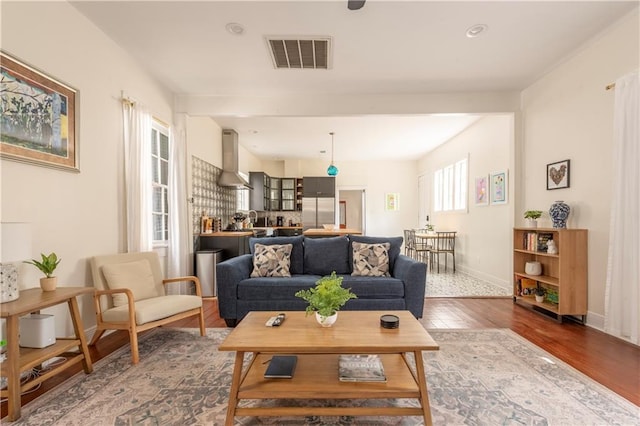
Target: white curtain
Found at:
x=178, y=264
x=622, y=296
x=137, y=177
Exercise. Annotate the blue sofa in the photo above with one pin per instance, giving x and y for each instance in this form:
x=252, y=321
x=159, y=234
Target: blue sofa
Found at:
x=312, y=258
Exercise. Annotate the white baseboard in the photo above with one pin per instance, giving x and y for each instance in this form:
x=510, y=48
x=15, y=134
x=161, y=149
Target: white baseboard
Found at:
x=595, y=321
x=485, y=277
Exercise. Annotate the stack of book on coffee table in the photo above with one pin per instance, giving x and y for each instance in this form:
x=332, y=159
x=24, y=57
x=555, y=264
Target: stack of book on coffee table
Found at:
x=361, y=368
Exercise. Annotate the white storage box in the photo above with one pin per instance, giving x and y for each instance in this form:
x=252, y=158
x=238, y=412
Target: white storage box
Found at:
x=37, y=331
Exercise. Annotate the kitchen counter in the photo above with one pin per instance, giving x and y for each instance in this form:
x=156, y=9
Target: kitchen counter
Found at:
x=321, y=232
x=247, y=233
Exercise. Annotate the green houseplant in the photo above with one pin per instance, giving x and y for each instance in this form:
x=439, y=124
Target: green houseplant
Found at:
x=47, y=266
x=532, y=217
x=326, y=298
x=539, y=293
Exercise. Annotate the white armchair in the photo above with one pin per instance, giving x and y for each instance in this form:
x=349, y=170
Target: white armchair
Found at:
x=131, y=295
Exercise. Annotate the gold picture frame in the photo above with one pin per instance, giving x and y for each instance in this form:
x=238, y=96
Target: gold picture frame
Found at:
x=37, y=117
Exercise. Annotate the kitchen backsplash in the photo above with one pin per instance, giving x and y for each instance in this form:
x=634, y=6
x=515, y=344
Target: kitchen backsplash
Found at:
x=208, y=197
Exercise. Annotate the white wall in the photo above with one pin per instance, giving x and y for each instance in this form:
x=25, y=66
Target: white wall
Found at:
x=568, y=114
x=77, y=215
x=483, y=243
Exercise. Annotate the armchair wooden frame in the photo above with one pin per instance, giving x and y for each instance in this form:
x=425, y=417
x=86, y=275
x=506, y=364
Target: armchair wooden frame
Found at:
x=131, y=325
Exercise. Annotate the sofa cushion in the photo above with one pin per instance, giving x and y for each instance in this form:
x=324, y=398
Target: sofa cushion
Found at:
x=325, y=255
x=136, y=276
x=394, y=249
x=272, y=288
x=297, y=252
x=374, y=287
x=154, y=309
x=370, y=259
x=272, y=260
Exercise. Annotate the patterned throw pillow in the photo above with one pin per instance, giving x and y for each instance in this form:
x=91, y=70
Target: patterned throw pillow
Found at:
x=371, y=260
x=272, y=260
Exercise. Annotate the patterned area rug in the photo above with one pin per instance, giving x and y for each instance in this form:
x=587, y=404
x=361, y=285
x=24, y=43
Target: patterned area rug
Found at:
x=479, y=377
x=448, y=284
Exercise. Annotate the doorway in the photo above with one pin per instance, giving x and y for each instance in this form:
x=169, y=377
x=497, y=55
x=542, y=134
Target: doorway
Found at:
x=352, y=202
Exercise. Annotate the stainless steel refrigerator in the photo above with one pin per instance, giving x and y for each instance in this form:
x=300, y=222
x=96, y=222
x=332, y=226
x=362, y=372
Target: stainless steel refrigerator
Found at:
x=318, y=211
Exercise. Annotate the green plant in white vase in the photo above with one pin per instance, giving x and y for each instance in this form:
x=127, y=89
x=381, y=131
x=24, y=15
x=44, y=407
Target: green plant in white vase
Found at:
x=326, y=298
x=532, y=217
x=47, y=266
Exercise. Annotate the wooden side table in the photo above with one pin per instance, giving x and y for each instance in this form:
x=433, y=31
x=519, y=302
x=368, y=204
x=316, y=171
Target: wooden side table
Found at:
x=24, y=359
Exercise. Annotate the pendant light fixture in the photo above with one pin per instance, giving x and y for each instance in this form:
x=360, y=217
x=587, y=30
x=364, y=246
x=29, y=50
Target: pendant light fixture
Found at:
x=332, y=170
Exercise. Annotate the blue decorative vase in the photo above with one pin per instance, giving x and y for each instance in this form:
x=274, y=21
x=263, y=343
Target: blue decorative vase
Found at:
x=559, y=213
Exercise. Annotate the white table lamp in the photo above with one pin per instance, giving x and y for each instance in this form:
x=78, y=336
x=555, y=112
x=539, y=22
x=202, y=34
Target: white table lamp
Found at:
x=16, y=247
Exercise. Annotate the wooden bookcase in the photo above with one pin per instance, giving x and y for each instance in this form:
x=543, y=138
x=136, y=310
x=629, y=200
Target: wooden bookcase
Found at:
x=563, y=273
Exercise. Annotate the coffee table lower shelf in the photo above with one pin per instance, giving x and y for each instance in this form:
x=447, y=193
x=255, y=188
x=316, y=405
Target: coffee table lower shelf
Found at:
x=316, y=377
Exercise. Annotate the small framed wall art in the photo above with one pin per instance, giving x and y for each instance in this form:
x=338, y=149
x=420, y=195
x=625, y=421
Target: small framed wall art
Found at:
x=392, y=201
x=498, y=187
x=482, y=191
x=37, y=117
x=558, y=175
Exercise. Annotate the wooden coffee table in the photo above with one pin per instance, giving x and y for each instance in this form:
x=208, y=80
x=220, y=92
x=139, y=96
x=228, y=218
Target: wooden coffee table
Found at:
x=316, y=374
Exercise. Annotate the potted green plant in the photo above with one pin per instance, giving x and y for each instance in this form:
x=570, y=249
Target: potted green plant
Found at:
x=48, y=265
x=539, y=293
x=326, y=298
x=532, y=217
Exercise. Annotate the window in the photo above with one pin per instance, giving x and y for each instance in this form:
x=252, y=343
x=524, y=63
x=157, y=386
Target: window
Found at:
x=160, y=183
x=450, y=187
x=242, y=195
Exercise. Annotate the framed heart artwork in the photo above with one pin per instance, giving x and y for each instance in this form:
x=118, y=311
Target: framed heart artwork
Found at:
x=558, y=175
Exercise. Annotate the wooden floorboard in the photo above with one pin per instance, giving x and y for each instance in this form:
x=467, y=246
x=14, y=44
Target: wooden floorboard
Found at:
x=612, y=362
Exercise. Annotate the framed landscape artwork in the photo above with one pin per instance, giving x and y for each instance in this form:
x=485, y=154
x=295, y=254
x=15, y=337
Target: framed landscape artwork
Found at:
x=482, y=191
x=498, y=187
x=558, y=175
x=37, y=117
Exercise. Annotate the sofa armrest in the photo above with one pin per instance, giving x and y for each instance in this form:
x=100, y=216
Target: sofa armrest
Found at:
x=228, y=275
x=414, y=276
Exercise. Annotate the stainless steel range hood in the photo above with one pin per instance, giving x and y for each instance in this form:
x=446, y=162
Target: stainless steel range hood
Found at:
x=230, y=176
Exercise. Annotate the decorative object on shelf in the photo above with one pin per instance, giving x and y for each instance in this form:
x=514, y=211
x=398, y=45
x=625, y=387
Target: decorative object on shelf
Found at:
x=42, y=127
x=540, y=292
x=533, y=268
x=47, y=266
x=559, y=212
x=558, y=175
x=326, y=298
x=16, y=246
x=498, y=182
x=532, y=217
x=332, y=170
x=551, y=247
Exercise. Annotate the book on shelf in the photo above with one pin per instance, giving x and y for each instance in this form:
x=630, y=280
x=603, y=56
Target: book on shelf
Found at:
x=361, y=368
x=543, y=238
x=530, y=241
x=281, y=367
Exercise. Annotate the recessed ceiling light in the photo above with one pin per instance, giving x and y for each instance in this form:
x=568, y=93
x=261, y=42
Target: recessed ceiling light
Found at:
x=476, y=30
x=234, y=28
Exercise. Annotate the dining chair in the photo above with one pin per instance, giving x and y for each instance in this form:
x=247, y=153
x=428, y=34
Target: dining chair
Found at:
x=445, y=243
x=422, y=247
x=409, y=243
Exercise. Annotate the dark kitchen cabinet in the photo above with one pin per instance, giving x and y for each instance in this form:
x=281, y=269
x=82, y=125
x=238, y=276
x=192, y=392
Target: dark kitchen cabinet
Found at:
x=274, y=195
x=288, y=198
x=261, y=192
x=319, y=186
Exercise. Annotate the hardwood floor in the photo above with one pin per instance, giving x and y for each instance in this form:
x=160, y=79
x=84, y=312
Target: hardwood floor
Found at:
x=610, y=361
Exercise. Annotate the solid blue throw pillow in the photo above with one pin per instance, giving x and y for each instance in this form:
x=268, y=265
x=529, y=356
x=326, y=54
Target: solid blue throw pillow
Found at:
x=325, y=255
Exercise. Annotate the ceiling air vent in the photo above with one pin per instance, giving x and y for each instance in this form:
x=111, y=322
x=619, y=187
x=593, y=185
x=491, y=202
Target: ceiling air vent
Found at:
x=296, y=52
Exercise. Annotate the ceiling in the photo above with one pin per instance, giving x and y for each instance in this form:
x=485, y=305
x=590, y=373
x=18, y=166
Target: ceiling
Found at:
x=387, y=47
